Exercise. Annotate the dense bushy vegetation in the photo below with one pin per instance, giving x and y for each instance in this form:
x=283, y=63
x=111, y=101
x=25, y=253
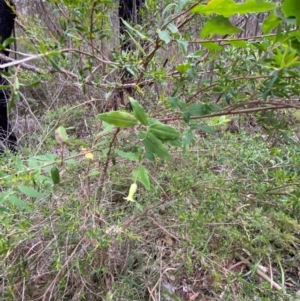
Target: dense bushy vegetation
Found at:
x=165, y=169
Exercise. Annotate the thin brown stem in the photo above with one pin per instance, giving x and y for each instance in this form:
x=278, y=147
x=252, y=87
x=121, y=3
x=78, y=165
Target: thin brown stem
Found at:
x=105, y=167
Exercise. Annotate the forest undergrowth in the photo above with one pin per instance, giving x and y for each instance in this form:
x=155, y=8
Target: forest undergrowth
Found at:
x=158, y=158
x=221, y=222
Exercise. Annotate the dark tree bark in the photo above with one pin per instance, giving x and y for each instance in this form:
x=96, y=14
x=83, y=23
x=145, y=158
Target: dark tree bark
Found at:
x=129, y=11
x=7, y=21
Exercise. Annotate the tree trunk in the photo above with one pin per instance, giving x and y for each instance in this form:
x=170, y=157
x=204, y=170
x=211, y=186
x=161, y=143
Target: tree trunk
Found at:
x=7, y=22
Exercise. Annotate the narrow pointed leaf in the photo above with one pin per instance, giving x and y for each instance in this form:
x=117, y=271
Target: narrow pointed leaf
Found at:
x=138, y=111
x=270, y=85
x=127, y=155
x=30, y=191
x=143, y=177
x=8, y=41
x=138, y=33
x=13, y=199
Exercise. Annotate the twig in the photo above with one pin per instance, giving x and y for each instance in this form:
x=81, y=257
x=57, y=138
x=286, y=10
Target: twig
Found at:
x=111, y=144
x=234, y=112
x=260, y=272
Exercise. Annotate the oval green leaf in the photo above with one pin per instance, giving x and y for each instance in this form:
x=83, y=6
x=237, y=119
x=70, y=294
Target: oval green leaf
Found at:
x=165, y=36
x=154, y=145
x=218, y=25
x=119, y=119
x=61, y=135
x=164, y=132
x=228, y=8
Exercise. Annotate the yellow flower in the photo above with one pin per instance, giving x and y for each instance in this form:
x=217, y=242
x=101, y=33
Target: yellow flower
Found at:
x=132, y=191
x=87, y=154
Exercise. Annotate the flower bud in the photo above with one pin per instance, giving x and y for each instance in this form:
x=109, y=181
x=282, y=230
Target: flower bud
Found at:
x=132, y=191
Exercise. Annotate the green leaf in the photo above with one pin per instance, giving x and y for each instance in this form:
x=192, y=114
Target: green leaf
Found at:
x=182, y=68
x=94, y=173
x=33, y=84
x=53, y=53
x=4, y=196
x=213, y=47
x=175, y=142
x=213, y=107
x=150, y=156
x=181, y=5
x=13, y=199
x=186, y=116
x=176, y=103
x=2, y=87
x=218, y=26
x=271, y=22
x=204, y=128
x=154, y=145
x=119, y=119
x=196, y=54
x=20, y=164
x=30, y=191
x=165, y=36
x=55, y=66
x=183, y=45
x=239, y=44
x=172, y=27
x=8, y=41
x=154, y=121
x=164, y=132
x=295, y=40
x=14, y=96
x=71, y=3
x=138, y=33
x=168, y=8
x=61, y=135
x=291, y=9
x=127, y=155
x=138, y=111
x=228, y=8
x=43, y=48
x=187, y=140
x=192, y=73
x=200, y=109
x=108, y=128
x=3, y=210
x=143, y=177
x=270, y=84
x=137, y=44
